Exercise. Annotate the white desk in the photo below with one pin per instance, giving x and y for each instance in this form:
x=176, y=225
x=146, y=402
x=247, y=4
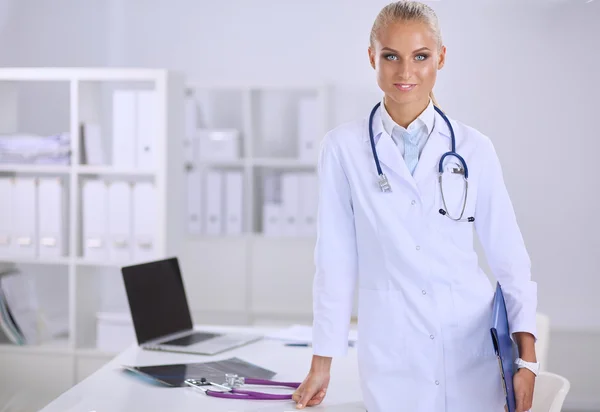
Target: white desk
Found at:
x=112, y=389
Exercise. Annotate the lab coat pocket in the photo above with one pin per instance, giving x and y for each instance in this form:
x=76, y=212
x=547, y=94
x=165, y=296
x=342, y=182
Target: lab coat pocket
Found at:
x=383, y=330
x=451, y=200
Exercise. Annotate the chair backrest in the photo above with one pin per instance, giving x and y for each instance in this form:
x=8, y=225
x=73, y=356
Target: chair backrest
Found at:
x=543, y=341
x=550, y=392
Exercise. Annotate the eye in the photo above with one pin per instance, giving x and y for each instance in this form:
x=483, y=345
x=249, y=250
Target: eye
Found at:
x=421, y=57
x=390, y=57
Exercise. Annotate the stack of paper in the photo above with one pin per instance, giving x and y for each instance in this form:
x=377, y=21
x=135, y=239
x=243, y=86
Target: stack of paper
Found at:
x=25, y=148
x=302, y=334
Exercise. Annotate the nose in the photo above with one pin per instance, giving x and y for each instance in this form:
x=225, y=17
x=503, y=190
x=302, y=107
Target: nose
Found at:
x=405, y=70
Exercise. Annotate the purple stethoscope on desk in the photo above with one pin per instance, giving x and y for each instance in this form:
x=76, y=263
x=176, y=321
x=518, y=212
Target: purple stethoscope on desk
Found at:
x=230, y=389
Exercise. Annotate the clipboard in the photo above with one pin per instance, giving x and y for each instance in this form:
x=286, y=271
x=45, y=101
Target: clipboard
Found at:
x=503, y=346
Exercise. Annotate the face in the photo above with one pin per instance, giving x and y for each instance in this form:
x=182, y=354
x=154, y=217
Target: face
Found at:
x=406, y=59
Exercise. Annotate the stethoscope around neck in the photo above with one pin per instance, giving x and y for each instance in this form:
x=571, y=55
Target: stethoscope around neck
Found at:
x=384, y=184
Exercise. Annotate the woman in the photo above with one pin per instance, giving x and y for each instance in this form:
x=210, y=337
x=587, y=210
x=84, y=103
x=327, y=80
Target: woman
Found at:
x=424, y=303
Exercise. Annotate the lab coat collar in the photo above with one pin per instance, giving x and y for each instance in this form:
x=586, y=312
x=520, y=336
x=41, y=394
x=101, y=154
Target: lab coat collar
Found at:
x=390, y=157
x=439, y=126
x=426, y=118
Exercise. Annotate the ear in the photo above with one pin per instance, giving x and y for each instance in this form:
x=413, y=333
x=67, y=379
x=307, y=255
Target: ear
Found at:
x=372, y=57
x=442, y=58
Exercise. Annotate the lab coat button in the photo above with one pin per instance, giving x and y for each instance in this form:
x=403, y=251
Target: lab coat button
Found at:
x=431, y=337
x=413, y=202
x=437, y=382
x=423, y=292
x=418, y=247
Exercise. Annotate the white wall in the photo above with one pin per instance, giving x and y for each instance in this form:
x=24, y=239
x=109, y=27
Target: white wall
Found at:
x=524, y=72
x=523, y=75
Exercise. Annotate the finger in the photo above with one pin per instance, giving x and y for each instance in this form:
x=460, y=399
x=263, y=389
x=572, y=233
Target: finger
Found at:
x=317, y=399
x=306, y=396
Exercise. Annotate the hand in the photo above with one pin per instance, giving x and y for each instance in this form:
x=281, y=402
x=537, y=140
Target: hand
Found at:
x=312, y=391
x=524, y=382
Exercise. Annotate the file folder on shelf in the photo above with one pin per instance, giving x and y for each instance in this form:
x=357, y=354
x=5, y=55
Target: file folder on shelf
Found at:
x=52, y=218
x=119, y=221
x=147, y=128
x=503, y=346
x=95, y=220
x=144, y=221
x=124, y=128
x=232, y=219
x=213, y=196
x=6, y=188
x=24, y=241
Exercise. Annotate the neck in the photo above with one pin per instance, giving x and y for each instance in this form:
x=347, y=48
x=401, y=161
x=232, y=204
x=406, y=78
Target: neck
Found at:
x=405, y=114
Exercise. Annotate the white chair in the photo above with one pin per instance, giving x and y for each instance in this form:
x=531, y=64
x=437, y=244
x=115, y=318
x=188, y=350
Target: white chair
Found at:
x=543, y=334
x=550, y=392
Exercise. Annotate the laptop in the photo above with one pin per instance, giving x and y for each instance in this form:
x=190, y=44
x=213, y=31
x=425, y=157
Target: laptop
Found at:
x=161, y=315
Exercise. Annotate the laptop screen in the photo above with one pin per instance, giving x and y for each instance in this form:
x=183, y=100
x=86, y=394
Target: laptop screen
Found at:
x=157, y=299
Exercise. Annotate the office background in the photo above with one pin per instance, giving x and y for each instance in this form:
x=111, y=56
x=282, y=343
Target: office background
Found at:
x=523, y=72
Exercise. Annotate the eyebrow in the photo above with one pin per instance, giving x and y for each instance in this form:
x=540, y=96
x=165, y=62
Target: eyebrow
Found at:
x=416, y=51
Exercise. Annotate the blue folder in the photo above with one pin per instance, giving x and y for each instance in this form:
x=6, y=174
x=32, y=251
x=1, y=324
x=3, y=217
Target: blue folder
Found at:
x=503, y=345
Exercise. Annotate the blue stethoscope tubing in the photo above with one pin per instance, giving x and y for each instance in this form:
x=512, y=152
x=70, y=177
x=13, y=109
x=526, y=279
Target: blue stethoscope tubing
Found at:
x=384, y=184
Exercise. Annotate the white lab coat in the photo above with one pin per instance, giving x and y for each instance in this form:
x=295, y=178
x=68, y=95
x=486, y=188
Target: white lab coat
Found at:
x=424, y=304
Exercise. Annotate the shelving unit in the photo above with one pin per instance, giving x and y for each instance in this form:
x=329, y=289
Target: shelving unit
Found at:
x=240, y=289
x=84, y=95
x=247, y=278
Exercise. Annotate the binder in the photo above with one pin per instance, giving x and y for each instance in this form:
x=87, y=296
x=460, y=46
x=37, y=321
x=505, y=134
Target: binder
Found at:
x=194, y=201
x=214, y=203
x=144, y=222
x=119, y=221
x=233, y=202
x=146, y=128
x=272, y=209
x=95, y=220
x=290, y=201
x=503, y=346
x=92, y=150
x=52, y=217
x=6, y=188
x=272, y=217
x=308, y=128
x=24, y=242
x=124, y=128
x=309, y=195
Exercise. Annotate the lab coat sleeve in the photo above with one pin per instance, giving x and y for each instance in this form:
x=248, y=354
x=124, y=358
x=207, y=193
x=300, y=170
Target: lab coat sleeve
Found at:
x=335, y=256
x=505, y=250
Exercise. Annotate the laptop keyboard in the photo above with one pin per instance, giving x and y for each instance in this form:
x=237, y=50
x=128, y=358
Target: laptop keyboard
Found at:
x=190, y=339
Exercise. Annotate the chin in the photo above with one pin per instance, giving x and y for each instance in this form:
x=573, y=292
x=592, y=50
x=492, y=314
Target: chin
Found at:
x=405, y=98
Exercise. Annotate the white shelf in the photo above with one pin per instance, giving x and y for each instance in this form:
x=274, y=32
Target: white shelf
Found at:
x=80, y=74
x=283, y=163
x=95, y=353
x=110, y=171
x=35, y=169
x=275, y=162
x=59, y=346
x=97, y=263
x=35, y=261
x=224, y=163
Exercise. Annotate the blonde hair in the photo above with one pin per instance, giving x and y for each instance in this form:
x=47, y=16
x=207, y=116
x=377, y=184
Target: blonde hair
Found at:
x=405, y=10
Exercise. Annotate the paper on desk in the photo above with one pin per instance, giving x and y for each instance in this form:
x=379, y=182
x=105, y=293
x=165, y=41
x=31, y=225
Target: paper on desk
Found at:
x=302, y=334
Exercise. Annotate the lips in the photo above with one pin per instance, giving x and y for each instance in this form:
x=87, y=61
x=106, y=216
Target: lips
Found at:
x=405, y=87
